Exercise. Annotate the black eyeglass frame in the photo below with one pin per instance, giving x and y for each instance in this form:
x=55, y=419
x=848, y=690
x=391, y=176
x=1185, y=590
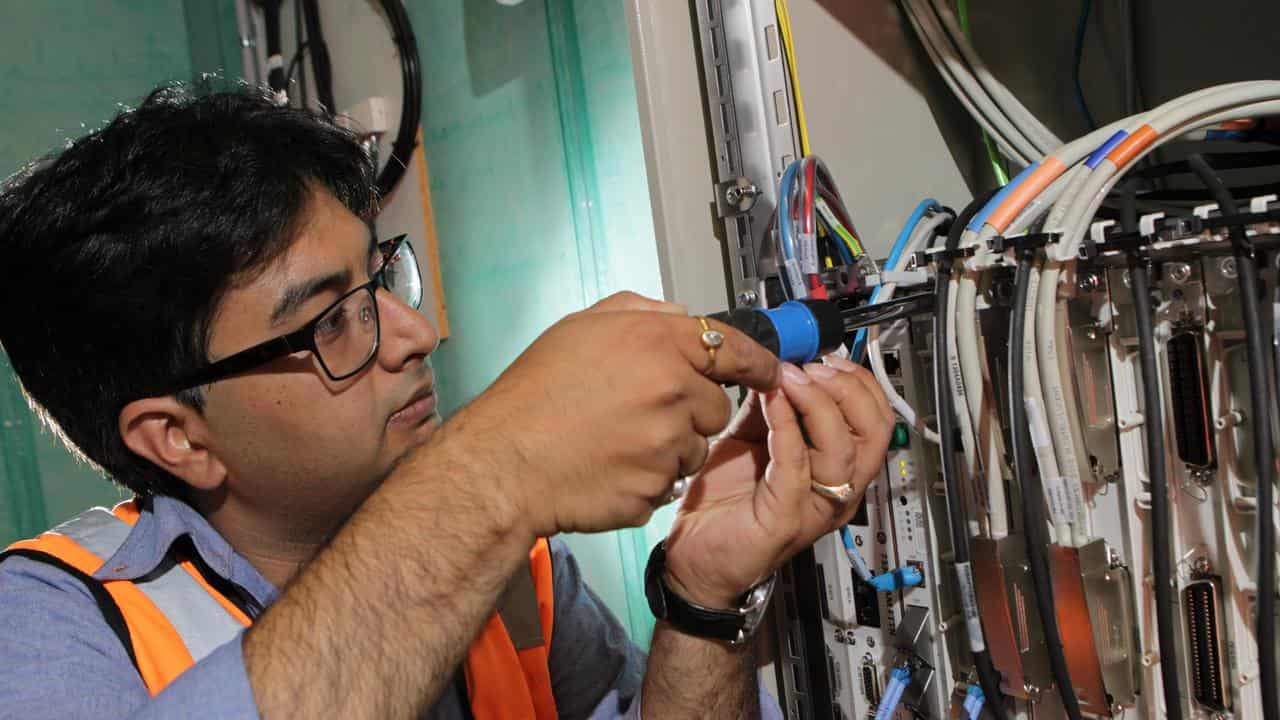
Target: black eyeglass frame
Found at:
x=301, y=339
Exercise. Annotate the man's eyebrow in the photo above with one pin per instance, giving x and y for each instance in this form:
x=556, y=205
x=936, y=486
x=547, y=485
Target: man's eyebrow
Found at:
x=296, y=295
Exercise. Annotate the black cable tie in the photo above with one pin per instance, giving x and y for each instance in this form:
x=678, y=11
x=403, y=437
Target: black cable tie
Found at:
x=924, y=257
x=1000, y=243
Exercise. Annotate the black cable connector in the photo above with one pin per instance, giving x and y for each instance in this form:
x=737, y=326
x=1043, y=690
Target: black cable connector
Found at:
x=956, y=512
x=1153, y=432
x=1260, y=424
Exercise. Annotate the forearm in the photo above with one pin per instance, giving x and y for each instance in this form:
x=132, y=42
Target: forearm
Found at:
x=691, y=677
x=376, y=625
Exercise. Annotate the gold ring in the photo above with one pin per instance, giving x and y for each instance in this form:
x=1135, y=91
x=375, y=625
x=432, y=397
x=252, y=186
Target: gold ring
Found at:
x=835, y=493
x=711, y=340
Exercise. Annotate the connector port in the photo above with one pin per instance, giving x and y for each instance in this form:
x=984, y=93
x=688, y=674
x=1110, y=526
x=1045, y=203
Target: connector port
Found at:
x=866, y=603
x=1189, y=392
x=870, y=685
x=1204, y=641
x=892, y=364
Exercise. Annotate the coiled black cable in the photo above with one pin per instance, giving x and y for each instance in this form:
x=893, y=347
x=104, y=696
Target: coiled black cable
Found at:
x=958, y=516
x=1033, y=512
x=318, y=51
x=411, y=98
x=1260, y=423
x=1153, y=433
x=402, y=36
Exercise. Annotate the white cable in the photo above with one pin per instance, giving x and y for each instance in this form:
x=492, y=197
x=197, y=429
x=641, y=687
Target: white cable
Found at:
x=955, y=384
x=980, y=402
x=1010, y=142
x=919, y=237
x=1022, y=118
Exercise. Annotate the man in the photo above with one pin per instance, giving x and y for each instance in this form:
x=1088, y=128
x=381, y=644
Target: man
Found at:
x=192, y=298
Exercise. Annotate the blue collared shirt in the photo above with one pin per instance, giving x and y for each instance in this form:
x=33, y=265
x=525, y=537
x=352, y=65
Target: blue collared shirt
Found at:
x=60, y=659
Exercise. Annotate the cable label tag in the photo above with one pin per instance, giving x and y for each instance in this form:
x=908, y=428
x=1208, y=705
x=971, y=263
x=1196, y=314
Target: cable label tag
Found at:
x=796, y=278
x=1055, y=488
x=1076, y=502
x=808, y=254
x=969, y=603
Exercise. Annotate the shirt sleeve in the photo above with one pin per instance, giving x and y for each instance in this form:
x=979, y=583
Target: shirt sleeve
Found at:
x=596, y=671
x=60, y=659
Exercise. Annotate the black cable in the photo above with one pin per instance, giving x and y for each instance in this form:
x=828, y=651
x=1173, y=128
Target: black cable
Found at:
x=411, y=97
x=1033, y=513
x=1081, y=30
x=1260, y=423
x=299, y=42
x=1221, y=161
x=1153, y=433
x=294, y=65
x=271, y=31
x=956, y=511
x=319, y=52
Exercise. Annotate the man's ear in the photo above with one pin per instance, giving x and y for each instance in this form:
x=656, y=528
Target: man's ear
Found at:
x=171, y=435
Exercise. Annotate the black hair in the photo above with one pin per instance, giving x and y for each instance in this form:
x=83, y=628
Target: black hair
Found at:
x=116, y=251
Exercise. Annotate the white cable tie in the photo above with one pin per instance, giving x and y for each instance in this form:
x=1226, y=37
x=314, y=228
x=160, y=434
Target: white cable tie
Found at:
x=1261, y=204
x=969, y=603
x=1147, y=223
x=904, y=277
x=1098, y=231
x=1203, y=211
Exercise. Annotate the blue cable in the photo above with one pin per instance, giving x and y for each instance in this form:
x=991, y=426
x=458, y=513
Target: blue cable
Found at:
x=898, y=681
x=1103, y=150
x=975, y=225
x=899, y=244
x=784, y=213
x=855, y=558
x=1085, y=8
x=973, y=702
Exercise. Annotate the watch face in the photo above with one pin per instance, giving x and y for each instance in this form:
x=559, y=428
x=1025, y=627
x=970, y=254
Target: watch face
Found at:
x=757, y=603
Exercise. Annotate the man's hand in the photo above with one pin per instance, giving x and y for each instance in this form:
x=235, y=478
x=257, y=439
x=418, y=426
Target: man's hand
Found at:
x=591, y=425
x=751, y=508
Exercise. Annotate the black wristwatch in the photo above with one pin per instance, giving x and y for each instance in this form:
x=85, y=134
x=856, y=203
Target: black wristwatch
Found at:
x=735, y=626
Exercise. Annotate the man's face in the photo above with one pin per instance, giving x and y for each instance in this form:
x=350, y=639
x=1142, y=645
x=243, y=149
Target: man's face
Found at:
x=291, y=438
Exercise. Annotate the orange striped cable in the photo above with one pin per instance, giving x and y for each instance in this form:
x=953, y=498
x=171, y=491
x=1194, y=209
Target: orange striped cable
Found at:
x=1050, y=169
x=1126, y=151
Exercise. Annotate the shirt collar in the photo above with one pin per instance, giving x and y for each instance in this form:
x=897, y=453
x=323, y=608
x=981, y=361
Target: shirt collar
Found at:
x=161, y=522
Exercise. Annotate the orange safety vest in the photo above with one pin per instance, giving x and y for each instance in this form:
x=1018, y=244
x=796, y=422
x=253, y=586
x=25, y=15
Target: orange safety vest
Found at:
x=171, y=618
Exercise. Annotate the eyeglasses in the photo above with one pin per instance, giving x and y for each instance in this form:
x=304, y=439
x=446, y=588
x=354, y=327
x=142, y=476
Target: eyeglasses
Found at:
x=344, y=337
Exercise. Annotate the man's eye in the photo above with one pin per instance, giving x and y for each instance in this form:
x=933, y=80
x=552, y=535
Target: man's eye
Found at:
x=332, y=324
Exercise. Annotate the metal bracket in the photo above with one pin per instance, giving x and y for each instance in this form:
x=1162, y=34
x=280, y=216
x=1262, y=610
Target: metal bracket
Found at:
x=736, y=197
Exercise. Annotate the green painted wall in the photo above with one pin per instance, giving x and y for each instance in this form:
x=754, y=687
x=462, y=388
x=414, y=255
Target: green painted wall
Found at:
x=65, y=68
x=537, y=176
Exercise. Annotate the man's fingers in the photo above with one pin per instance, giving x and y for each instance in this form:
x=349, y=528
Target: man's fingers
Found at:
x=626, y=300
x=711, y=408
x=738, y=358
x=866, y=420
x=865, y=377
x=833, y=453
x=787, y=478
x=693, y=455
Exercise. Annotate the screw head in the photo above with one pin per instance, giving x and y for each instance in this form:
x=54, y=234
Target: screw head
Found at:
x=1089, y=282
x=747, y=297
x=1179, y=272
x=1227, y=266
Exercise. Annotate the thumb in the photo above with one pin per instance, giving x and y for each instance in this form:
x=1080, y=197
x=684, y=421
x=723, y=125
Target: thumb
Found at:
x=788, y=473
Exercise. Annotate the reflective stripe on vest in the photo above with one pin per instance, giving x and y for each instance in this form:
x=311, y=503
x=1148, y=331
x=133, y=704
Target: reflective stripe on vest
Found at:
x=175, y=618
